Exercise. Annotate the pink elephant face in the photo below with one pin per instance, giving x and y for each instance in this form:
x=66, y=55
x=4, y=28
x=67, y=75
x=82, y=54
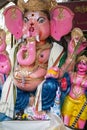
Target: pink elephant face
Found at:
x=36, y=24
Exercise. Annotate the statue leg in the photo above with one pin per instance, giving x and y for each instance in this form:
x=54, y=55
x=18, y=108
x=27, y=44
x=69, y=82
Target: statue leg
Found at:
x=81, y=124
x=49, y=89
x=22, y=100
x=66, y=120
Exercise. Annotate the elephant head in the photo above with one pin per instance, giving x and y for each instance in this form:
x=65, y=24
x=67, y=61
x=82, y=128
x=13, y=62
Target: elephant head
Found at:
x=60, y=18
x=34, y=26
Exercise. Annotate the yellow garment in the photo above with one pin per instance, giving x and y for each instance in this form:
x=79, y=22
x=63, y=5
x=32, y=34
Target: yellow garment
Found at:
x=72, y=107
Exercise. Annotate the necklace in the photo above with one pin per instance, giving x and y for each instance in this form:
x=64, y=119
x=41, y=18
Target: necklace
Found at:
x=77, y=90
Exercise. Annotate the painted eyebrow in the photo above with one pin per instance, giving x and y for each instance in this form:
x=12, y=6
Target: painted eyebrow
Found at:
x=40, y=18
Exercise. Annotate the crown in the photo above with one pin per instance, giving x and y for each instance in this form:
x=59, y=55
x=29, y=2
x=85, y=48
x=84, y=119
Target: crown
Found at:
x=77, y=31
x=82, y=58
x=36, y=5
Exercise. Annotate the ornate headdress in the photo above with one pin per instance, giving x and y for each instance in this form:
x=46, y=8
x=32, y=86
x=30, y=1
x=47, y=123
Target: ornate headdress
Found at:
x=78, y=32
x=36, y=5
x=82, y=58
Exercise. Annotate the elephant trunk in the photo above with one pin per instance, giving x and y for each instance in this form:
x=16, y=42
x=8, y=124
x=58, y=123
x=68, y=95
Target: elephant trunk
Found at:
x=27, y=54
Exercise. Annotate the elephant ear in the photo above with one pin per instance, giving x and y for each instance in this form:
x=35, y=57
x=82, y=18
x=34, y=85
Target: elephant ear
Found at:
x=14, y=20
x=61, y=21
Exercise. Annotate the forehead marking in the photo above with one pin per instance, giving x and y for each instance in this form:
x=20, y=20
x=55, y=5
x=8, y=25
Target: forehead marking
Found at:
x=32, y=14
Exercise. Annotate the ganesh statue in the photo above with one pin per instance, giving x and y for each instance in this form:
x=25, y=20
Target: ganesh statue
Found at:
x=5, y=64
x=39, y=27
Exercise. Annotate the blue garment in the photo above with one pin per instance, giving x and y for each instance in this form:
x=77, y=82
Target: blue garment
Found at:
x=22, y=99
x=1, y=85
x=49, y=89
x=3, y=117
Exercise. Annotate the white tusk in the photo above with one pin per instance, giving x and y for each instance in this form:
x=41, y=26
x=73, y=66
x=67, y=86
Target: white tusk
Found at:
x=19, y=40
x=25, y=1
x=24, y=36
x=37, y=38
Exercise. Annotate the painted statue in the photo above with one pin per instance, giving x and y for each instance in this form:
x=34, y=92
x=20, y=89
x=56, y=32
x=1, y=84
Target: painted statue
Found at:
x=77, y=42
x=5, y=64
x=53, y=74
x=74, y=109
x=76, y=45
x=37, y=26
x=50, y=82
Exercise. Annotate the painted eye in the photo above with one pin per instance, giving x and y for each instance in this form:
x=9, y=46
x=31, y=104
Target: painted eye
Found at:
x=41, y=19
x=26, y=19
x=84, y=63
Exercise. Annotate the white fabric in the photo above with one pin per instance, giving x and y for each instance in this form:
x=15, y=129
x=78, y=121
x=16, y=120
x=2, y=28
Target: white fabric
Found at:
x=55, y=52
x=38, y=96
x=54, y=124
x=24, y=125
x=7, y=97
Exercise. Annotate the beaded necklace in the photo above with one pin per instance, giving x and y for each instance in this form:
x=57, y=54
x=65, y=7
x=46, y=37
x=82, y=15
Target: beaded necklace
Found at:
x=78, y=92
